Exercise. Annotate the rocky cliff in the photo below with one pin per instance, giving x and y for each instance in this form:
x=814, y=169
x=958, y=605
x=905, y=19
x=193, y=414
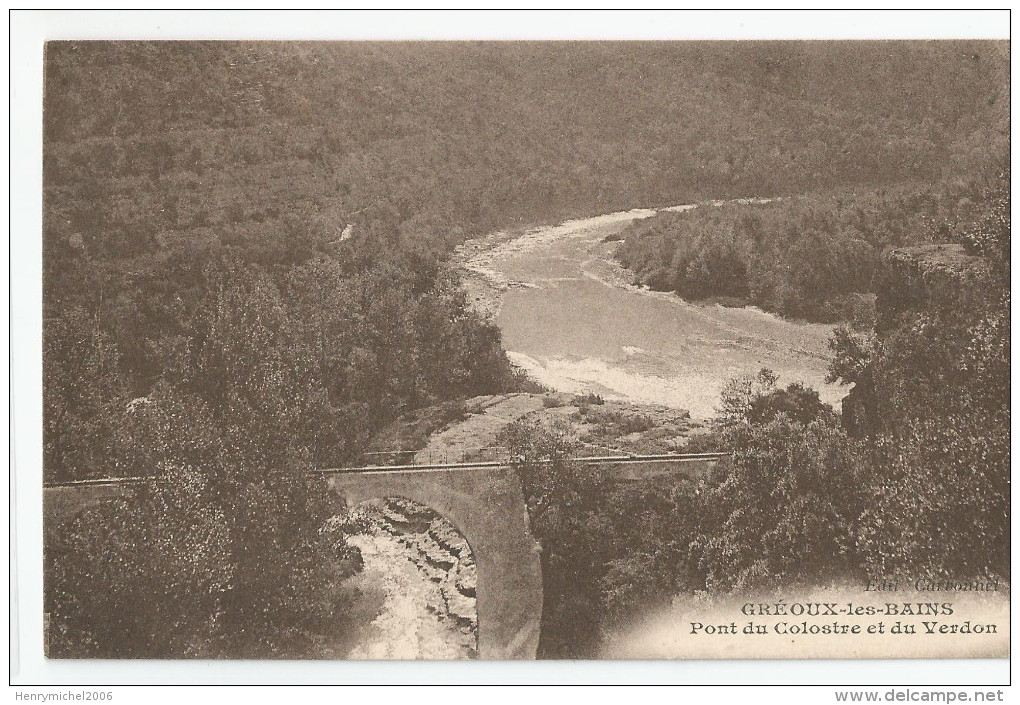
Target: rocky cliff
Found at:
x=927, y=277
x=933, y=279
x=428, y=576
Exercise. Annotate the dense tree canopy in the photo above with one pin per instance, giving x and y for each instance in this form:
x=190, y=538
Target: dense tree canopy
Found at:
x=913, y=479
x=245, y=276
x=151, y=146
x=816, y=256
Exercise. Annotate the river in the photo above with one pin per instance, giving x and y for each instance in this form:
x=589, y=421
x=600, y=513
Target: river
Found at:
x=571, y=318
x=417, y=586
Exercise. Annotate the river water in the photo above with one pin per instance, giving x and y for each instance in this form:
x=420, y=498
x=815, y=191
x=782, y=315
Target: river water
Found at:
x=570, y=317
x=417, y=587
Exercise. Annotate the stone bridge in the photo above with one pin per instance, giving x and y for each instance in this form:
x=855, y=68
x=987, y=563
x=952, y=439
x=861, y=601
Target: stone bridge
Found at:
x=484, y=501
x=487, y=507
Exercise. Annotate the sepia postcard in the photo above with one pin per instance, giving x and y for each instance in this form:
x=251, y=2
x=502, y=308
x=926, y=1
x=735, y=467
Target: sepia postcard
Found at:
x=598, y=350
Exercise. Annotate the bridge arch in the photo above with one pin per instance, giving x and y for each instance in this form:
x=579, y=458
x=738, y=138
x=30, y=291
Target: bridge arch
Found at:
x=484, y=501
x=487, y=507
x=442, y=582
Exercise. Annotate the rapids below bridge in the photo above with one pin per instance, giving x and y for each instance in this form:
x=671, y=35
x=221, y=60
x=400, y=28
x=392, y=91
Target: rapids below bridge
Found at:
x=483, y=501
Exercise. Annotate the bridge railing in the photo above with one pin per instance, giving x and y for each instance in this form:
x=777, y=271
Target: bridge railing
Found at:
x=631, y=459
x=101, y=482
x=430, y=457
x=388, y=457
x=498, y=461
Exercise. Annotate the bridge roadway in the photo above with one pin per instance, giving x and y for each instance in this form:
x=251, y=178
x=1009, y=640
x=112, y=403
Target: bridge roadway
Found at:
x=642, y=467
x=483, y=500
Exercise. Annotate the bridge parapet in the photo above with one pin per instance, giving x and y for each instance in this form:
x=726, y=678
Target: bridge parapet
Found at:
x=625, y=467
x=487, y=507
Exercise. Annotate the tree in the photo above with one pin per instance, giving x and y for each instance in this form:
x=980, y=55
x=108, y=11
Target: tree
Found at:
x=740, y=393
x=84, y=397
x=799, y=403
x=609, y=551
x=142, y=577
x=936, y=400
x=851, y=356
x=785, y=508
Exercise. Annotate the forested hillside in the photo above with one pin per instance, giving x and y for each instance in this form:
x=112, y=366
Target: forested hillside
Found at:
x=245, y=275
x=151, y=143
x=817, y=256
x=911, y=479
x=814, y=256
x=162, y=159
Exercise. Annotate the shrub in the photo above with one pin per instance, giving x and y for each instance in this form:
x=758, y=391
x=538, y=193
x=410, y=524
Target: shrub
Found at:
x=785, y=508
x=589, y=399
x=144, y=577
x=798, y=402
